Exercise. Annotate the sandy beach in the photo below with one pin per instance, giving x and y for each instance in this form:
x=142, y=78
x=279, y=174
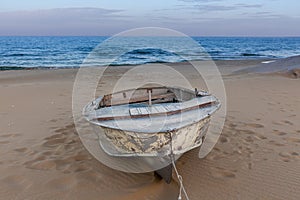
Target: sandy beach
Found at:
x=256, y=157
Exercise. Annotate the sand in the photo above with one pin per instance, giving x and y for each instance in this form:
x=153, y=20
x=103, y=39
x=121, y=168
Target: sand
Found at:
x=256, y=157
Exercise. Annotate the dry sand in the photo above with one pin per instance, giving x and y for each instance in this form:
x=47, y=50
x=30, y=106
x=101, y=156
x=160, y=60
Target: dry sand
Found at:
x=256, y=157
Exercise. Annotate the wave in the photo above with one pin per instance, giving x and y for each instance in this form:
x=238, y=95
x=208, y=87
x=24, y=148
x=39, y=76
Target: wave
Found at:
x=251, y=55
x=84, y=49
x=21, y=55
x=4, y=68
x=150, y=51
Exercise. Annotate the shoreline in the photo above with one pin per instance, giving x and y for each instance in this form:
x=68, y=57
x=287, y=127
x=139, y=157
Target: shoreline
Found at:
x=16, y=68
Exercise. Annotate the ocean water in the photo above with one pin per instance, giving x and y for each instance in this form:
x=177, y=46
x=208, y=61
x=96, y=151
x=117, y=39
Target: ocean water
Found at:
x=71, y=52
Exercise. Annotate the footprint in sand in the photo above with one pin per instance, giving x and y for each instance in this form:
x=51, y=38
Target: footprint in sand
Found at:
x=253, y=125
x=280, y=133
x=215, y=156
x=40, y=164
x=223, y=139
x=260, y=137
x=4, y=142
x=47, y=153
x=276, y=123
x=289, y=156
x=293, y=140
x=288, y=122
x=217, y=172
x=248, y=132
x=54, y=142
x=249, y=139
x=68, y=128
x=9, y=135
x=232, y=125
x=250, y=165
x=295, y=154
x=272, y=142
x=285, y=157
x=62, y=151
x=282, y=110
x=77, y=168
x=5, y=135
x=21, y=150
x=271, y=103
x=53, y=120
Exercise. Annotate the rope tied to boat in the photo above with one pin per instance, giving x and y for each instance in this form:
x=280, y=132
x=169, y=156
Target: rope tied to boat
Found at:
x=179, y=177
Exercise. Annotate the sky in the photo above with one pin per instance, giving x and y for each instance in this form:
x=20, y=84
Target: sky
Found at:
x=109, y=17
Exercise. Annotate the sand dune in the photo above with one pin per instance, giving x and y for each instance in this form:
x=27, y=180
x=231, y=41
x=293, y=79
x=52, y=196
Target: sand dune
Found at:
x=289, y=67
x=42, y=157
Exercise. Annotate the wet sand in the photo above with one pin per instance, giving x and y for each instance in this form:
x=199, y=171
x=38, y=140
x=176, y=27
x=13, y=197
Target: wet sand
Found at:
x=256, y=157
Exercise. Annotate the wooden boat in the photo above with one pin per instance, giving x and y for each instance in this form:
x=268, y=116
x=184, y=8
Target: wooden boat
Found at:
x=152, y=121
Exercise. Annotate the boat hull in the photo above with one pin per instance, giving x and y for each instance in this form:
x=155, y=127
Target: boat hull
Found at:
x=177, y=142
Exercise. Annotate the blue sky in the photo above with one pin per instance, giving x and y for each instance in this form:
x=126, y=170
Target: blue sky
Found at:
x=192, y=17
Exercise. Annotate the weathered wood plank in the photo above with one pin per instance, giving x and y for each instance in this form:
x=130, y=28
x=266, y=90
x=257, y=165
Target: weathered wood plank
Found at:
x=158, y=110
x=133, y=111
x=144, y=111
x=114, y=102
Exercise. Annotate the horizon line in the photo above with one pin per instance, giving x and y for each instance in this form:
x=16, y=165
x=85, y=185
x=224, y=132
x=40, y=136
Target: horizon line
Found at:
x=250, y=36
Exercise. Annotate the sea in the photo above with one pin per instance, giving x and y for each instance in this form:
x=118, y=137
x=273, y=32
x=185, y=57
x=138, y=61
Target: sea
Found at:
x=18, y=52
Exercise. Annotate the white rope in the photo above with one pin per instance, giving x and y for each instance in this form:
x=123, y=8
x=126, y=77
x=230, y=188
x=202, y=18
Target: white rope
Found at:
x=179, y=177
x=182, y=189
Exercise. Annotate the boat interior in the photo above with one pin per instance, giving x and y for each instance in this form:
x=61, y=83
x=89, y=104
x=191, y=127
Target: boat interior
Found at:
x=148, y=95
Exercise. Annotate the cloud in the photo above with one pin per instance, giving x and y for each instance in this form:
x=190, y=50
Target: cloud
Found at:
x=60, y=21
x=264, y=15
x=215, y=8
x=243, y=5
x=61, y=12
x=236, y=19
x=283, y=26
x=210, y=7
